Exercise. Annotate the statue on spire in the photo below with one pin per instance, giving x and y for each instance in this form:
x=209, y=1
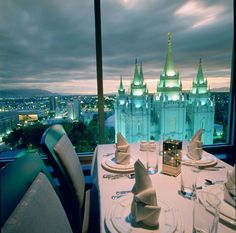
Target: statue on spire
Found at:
x=169, y=38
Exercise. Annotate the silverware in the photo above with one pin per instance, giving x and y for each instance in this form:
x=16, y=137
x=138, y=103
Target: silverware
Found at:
x=215, y=168
x=117, y=176
x=108, y=154
x=130, y=176
x=123, y=192
x=116, y=196
x=210, y=182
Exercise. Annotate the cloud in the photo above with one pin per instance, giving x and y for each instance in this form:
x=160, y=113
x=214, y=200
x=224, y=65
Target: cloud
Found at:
x=51, y=44
x=199, y=13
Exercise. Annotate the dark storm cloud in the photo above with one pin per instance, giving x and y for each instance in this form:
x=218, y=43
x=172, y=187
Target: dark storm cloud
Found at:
x=39, y=36
x=53, y=41
x=145, y=34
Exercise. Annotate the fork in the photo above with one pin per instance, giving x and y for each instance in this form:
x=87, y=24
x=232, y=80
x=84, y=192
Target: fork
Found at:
x=112, y=177
x=108, y=154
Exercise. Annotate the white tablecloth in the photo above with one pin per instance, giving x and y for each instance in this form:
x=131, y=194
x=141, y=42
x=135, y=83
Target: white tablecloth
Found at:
x=166, y=187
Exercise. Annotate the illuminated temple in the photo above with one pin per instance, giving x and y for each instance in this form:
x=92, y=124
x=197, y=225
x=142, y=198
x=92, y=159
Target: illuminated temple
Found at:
x=169, y=113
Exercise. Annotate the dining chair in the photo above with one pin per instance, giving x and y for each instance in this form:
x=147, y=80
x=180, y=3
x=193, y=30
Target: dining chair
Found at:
x=93, y=170
x=82, y=206
x=29, y=203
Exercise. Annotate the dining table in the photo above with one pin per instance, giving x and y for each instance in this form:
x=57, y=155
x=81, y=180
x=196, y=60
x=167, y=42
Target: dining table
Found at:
x=115, y=188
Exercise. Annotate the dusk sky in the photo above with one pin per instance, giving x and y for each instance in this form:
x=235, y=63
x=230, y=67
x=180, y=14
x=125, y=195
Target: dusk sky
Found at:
x=50, y=44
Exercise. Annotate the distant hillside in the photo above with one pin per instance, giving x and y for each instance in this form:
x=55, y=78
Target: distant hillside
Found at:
x=24, y=93
x=221, y=89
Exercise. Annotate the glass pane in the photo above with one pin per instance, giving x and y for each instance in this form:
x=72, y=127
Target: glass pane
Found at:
x=48, y=69
x=169, y=65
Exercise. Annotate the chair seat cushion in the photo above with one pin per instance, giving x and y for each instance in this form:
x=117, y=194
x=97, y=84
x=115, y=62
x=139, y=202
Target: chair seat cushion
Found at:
x=39, y=210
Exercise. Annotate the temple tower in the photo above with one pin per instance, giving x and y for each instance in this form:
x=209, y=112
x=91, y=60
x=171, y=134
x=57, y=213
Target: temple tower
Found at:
x=168, y=113
x=132, y=111
x=169, y=109
x=201, y=108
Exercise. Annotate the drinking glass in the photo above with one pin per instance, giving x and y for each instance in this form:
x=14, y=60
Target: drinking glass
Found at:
x=152, y=159
x=188, y=181
x=206, y=213
x=160, y=145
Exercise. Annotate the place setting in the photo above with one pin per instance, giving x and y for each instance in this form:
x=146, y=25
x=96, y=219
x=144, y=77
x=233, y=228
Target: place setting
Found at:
x=121, y=161
x=226, y=192
x=141, y=210
x=194, y=155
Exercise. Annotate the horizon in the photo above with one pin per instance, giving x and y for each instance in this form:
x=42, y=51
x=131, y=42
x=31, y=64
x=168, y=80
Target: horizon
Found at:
x=214, y=90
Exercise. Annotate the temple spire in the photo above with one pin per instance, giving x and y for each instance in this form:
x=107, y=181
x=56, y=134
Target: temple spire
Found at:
x=121, y=87
x=136, y=80
x=169, y=68
x=200, y=77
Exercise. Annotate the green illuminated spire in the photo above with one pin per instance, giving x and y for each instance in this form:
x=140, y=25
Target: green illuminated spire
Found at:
x=121, y=87
x=137, y=79
x=138, y=86
x=200, y=77
x=169, y=68
x=199, y=85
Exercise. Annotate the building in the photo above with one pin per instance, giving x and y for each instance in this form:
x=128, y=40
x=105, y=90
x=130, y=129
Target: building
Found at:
x=133, y=111
x=200, y=108
x=52, y=103
x=76, y=109
x=73, y=109
x=168, y=113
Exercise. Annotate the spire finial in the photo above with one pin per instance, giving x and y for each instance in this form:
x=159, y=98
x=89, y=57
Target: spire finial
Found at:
x=121, y=89
x=169, y=38
x=169, y=68
x=200, y=60
x=136, y=61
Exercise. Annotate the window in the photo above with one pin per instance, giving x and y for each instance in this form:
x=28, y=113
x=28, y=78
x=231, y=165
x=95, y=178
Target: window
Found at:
x=185, y=73
x=48, y=68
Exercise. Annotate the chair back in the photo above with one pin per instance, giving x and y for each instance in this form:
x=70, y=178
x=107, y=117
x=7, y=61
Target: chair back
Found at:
x=29, y=202
x=65, y=162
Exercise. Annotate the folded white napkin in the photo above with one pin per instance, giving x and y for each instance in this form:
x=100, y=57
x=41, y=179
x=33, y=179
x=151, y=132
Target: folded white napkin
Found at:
x=230, y=188
x=144, y=206
x=195, y=146
x=122, y=154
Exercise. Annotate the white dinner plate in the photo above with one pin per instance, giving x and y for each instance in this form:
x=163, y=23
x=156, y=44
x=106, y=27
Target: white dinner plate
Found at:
x=206, y=160
x=118, y=219
x=227, y=212
x=111, y=162
x=110, y=165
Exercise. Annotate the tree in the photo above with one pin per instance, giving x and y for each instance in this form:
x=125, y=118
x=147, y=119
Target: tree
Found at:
x=14, y=138
x=32, y=134
x=25, y=136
